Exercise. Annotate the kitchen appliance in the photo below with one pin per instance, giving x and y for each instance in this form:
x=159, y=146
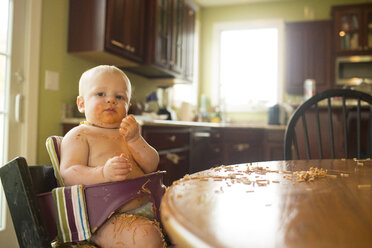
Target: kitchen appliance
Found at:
x=354, y=70
x=164, y=95
x=279, y=114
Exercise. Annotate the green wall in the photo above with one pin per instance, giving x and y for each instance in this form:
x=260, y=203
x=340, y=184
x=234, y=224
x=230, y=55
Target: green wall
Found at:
x=289, y=11
x=54, y=57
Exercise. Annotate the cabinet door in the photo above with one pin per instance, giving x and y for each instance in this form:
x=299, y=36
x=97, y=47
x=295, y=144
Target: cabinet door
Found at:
x=177, y=60
x=308, y=55
x=189, y=22
x=274, y=144
x=125, y=28
x=243, y=145
x=347, y=26
x=163, y=33
x=176, y=164
x=367, y=20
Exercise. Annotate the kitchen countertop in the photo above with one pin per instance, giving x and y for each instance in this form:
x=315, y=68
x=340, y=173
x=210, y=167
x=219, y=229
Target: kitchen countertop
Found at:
x=190, y=124
x=209, y=124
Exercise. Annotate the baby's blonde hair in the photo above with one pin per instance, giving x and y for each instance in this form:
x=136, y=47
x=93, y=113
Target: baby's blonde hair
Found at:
x=94, y=72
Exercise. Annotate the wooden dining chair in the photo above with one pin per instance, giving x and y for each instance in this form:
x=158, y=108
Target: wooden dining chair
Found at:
x=336, y=123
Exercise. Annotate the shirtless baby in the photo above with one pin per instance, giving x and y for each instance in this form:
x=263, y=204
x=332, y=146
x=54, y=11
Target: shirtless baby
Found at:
x=109, y=147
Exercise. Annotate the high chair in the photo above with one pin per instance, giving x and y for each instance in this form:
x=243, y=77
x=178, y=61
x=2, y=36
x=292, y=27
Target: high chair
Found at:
x=34, y=211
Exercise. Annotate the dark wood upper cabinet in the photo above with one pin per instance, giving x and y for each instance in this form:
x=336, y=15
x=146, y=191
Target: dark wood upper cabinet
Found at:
x=125, y=28
x=353, y=29
x=149, y=37
x=96, y=31
x=309, y=55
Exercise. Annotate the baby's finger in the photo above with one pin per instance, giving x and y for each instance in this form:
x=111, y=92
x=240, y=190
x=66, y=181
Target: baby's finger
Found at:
x=123, y=171
x=123, y=156
x=121, y=165
x=119, y=160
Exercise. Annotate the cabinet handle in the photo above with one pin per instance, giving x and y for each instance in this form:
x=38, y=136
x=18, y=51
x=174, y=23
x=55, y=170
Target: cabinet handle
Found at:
x=117, y=43
x=241, y=147
x=172, y=138
x=202, y=135
x=216, y=150
x=174, y=158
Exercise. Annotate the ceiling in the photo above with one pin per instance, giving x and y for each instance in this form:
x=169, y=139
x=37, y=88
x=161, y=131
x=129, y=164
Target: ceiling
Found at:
x=210, y=3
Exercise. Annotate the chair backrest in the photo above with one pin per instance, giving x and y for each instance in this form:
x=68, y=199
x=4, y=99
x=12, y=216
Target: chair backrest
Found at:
x=53, y=145
x=339, y=128
x=21, y=185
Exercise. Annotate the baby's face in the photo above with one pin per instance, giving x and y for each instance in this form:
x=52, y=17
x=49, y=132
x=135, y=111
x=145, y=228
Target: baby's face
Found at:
x=106, y=100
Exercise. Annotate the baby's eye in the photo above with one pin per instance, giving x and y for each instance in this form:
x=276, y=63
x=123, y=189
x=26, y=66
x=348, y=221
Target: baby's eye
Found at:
x=119, y=97
x=100, y=94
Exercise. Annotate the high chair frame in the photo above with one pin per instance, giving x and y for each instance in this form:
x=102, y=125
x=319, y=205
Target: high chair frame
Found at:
x=28, y=192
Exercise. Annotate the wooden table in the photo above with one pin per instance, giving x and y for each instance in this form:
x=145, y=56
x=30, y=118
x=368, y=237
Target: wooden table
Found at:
x=263, y=205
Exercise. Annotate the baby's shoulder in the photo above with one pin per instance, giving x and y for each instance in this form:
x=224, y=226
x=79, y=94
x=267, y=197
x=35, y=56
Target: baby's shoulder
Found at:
x=80, y=132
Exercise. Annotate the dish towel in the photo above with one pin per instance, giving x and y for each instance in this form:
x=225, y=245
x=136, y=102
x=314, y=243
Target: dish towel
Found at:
x=71, y=211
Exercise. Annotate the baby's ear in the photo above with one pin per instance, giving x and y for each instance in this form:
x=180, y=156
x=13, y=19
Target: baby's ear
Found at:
x=80, y=104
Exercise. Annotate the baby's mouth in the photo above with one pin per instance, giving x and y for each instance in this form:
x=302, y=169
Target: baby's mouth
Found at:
x=110, y=110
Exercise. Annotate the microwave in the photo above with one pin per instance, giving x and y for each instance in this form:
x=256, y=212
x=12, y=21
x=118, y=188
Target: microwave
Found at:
x=354, y=70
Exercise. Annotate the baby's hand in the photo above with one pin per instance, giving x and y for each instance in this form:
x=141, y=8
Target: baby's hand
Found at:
x=130, y=128
x=117, y=168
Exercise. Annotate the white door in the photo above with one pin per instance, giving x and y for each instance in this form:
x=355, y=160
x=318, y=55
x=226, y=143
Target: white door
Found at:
x=19, y=70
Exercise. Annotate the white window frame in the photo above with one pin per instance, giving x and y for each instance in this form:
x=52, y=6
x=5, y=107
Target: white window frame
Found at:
x=218, y=27
x=25, y=50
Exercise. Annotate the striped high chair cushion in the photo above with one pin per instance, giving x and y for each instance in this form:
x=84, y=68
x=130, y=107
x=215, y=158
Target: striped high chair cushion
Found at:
x=71, y=210
x=53, y=145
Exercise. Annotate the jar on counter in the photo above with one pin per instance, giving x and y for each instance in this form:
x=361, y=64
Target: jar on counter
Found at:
x=309, y=88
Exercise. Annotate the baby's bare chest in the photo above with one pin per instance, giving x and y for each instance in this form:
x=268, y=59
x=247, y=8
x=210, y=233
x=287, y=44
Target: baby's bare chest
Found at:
x=104, y=147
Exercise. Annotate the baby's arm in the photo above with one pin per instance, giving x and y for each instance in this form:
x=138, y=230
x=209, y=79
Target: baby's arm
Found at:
x=144, y=154
x=74, y=167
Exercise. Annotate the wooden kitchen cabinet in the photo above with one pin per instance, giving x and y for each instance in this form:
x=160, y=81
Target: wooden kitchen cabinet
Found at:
x=174, y=37
x=352, y=25
x=242, y=145
x=173, y=146
x=125, y=28
x=309, y=55
x=150, y=38
x=108, y=31
x=274, y=144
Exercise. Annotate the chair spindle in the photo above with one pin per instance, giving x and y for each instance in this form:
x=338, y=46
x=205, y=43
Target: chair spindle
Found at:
x=307, y=143
x=345, y=126
x=358, y=128
x=295, y=145
x=331, y=129
x=320, y=148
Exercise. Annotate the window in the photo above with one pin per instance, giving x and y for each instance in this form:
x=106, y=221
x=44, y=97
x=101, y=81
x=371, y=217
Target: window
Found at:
x=249, y=65
x=4, y=82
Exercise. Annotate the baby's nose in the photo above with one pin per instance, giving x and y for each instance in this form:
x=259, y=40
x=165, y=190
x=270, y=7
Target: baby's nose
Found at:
x=111, y=99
